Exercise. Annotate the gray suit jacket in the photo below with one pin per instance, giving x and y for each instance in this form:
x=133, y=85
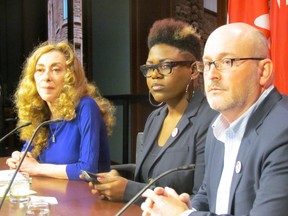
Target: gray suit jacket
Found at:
x=261, y=186
x=187, y=147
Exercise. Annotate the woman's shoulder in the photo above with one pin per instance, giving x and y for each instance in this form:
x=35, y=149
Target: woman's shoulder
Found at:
x=158, y=111
x=199, y=100
x=87, y=103
x=87, y=100
x=199, y=108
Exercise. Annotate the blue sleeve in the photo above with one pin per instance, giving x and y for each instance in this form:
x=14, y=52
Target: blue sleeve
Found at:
x=94, y=154
x=25, y=146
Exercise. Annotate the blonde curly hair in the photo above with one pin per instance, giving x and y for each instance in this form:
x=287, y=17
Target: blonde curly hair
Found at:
x=30, y=106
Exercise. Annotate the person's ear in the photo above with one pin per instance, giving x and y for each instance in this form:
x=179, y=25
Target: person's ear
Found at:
x=266, y=73
x=194, y=72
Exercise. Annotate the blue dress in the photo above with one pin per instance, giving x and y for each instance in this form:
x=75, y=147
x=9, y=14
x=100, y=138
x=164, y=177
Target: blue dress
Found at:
x=81, y=143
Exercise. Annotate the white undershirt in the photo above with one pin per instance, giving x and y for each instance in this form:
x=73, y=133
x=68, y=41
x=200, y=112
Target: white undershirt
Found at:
x=231, y=136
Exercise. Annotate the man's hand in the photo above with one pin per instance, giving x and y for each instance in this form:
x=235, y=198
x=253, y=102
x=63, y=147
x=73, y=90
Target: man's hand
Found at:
x=164, y=201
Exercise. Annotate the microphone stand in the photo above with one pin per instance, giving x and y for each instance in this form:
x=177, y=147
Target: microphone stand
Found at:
x=188, y=167
x=14, y=130
x=24, y=155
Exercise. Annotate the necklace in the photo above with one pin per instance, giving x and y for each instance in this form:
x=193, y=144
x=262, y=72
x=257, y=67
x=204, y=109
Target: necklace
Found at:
x=53, y=138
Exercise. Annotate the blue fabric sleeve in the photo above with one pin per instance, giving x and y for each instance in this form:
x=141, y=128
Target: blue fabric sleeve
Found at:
x=93, y=141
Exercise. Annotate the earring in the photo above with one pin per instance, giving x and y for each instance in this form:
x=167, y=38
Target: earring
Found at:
x=189, y=94
x=150, y=100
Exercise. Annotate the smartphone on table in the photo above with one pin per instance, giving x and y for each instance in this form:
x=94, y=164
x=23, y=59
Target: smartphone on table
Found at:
x=89, y=176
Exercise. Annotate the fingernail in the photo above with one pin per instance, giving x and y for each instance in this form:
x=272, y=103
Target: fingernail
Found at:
x=100, y=178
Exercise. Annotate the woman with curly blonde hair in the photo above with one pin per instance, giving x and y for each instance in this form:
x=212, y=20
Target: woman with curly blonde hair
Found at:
x=53, y=86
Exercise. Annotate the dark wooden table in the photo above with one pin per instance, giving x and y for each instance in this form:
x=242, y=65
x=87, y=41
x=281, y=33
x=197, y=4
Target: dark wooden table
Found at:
x=74, y=199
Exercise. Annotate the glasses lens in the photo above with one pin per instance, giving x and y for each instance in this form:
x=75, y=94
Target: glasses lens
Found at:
x=199, y=66
x=223, y=64
x=206, y=66
x=144, y=69
x=164, y=68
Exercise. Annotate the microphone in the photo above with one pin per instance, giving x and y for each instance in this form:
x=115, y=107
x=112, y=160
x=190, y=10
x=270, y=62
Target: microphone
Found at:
x=24, y=154
x=182, y=168
x=14, y=130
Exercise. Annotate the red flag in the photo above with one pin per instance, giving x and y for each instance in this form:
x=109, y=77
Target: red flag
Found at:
x=279, y=42
x=253, y=12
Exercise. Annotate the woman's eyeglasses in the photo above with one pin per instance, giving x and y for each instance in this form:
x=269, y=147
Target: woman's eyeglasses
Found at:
x=165, y=68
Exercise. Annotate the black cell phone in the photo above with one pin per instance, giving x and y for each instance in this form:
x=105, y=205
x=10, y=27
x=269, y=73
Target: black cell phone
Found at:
x=91, y=177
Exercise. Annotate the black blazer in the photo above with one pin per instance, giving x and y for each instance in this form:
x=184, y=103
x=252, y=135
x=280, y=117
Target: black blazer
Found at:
x=187, y=147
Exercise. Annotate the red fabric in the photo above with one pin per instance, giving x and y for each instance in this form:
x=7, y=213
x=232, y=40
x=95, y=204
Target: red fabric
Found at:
x=253, y=12
x=256, y=13
x=279, y=42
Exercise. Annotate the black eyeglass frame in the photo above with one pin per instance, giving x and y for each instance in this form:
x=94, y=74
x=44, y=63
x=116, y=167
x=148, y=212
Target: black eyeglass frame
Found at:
x=231, y=59
x=145, y=68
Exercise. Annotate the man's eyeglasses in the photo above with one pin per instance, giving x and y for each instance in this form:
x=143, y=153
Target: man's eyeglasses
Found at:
x=164, y=68
x=223, y=64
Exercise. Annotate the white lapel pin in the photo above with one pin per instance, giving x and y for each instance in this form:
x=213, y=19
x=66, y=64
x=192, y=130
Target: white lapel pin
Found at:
x=238, y=167
x=175, y=132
